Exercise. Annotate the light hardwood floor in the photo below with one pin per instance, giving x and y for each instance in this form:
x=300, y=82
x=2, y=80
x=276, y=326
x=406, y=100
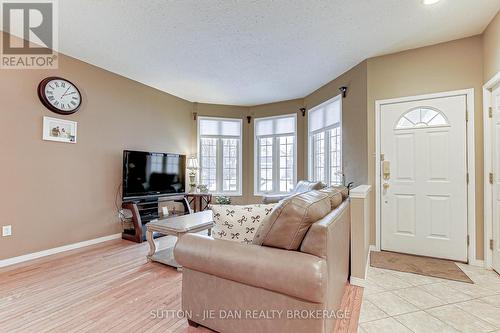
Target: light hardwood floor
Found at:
x=108, y=287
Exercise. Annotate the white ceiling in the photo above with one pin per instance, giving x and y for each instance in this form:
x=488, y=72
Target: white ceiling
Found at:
x=254, y=52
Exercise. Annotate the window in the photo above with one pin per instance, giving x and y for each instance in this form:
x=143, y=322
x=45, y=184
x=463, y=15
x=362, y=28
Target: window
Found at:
x=275, y=154
x=219, y=151
x=421, y=117
x=325, y=142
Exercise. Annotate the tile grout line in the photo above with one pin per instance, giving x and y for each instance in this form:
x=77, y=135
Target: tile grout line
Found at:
x=425, y=311
x=495, y=327
x=396, y=319
x=377, y=308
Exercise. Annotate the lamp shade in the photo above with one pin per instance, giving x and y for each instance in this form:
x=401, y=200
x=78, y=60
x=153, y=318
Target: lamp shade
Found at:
x=192, y=163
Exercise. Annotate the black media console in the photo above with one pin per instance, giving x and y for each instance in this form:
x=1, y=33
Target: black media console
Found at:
x=145, y=210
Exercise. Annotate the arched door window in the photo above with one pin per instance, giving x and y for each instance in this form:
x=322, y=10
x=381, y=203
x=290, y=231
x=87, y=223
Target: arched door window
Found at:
x=422, y=117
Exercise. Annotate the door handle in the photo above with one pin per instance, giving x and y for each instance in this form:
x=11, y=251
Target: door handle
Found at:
x=386, y=186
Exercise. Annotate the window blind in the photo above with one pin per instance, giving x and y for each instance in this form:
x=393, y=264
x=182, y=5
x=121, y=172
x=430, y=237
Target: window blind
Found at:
x=275, y=126
x=324, y=116
x=220, y=127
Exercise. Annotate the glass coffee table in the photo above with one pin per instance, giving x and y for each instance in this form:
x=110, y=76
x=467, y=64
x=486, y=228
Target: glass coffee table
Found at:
x=176, y=226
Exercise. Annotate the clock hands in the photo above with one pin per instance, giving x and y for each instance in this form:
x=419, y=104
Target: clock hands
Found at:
x=71, y=93
x=65, y=92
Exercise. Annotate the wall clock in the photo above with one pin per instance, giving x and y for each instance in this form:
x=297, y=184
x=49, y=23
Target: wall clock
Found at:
x=59, y=95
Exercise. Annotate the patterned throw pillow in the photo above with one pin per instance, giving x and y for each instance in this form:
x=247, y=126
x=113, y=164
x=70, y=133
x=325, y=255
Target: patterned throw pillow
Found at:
x=238, y=223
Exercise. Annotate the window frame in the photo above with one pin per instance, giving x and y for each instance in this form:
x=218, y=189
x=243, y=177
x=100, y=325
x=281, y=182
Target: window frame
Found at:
x=421, y=124
x=220, y=158
x=326, y=145
x=276, y=157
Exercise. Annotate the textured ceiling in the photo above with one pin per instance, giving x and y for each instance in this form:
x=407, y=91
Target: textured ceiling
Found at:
x=254, y=52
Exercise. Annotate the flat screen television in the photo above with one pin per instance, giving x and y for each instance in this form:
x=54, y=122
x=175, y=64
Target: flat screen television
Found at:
x=147, y=174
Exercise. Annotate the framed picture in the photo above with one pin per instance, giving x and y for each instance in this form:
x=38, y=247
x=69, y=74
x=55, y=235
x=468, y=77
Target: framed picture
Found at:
x=59, y=130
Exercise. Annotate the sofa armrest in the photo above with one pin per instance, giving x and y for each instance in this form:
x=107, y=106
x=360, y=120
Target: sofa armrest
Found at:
x=291, y=273
x=269, y=199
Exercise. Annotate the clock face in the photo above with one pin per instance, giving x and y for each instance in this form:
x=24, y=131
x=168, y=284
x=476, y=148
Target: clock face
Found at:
x=59, y=95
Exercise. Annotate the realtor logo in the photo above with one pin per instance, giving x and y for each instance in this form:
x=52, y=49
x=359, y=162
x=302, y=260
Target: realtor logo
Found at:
x=31, y=35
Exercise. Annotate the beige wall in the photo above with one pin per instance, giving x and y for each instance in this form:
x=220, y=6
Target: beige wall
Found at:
x=444, y=67
x=354, y=125
x=230, y=111
x=491, y=49
x=55, y=194
x=68, y=191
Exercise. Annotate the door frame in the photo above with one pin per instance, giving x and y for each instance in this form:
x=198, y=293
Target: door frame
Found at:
x=488, y=167
x=471, y=162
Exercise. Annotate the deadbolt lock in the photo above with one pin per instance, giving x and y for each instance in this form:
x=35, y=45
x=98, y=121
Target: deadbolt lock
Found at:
x=386, y=169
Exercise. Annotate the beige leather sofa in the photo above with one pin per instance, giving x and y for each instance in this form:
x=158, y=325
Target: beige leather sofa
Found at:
x=234, y=287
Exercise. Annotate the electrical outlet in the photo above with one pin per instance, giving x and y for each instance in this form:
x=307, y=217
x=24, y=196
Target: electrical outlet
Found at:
x=7, y=230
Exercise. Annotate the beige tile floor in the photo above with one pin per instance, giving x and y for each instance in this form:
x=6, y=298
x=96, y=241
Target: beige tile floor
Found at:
x=396, y=302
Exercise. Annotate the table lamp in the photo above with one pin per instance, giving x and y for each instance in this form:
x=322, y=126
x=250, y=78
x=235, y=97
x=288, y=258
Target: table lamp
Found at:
x=192, y=166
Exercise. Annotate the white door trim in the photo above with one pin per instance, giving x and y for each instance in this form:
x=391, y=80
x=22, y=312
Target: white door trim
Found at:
x=471, y=195
x=488, y=166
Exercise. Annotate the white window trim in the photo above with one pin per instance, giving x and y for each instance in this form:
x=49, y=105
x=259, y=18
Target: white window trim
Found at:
x=219, y=176
x=256, y=156
x=310, y=162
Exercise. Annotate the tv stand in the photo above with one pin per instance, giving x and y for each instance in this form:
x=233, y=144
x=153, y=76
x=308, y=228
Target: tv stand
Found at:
x=146, y=210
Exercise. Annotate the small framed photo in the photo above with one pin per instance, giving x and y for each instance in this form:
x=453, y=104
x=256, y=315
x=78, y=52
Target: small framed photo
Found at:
x=59, y=130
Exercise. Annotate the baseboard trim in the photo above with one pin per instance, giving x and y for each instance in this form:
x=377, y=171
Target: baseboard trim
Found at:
x=368, y=261
x=373, y=248
x=55, y=250
x=357, y=282
x=476, y=262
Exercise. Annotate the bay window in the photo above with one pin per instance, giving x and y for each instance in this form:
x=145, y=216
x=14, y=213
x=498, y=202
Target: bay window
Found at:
x=219, y=151
x=325, y=142
x=275, y=154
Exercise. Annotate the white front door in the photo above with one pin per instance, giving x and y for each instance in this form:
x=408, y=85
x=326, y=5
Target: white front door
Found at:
x=423, y=177
x=496, y=177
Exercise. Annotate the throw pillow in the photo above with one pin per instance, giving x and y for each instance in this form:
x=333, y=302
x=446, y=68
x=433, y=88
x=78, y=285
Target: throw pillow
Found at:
x=238, y=223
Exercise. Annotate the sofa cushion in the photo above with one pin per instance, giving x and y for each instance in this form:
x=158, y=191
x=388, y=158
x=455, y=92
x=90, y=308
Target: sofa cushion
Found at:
x=343, y=190
x=290, y=219
x=305, y=185
x=301, y=187
x=316, y=240
x=335, y=196
x=238, y=223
